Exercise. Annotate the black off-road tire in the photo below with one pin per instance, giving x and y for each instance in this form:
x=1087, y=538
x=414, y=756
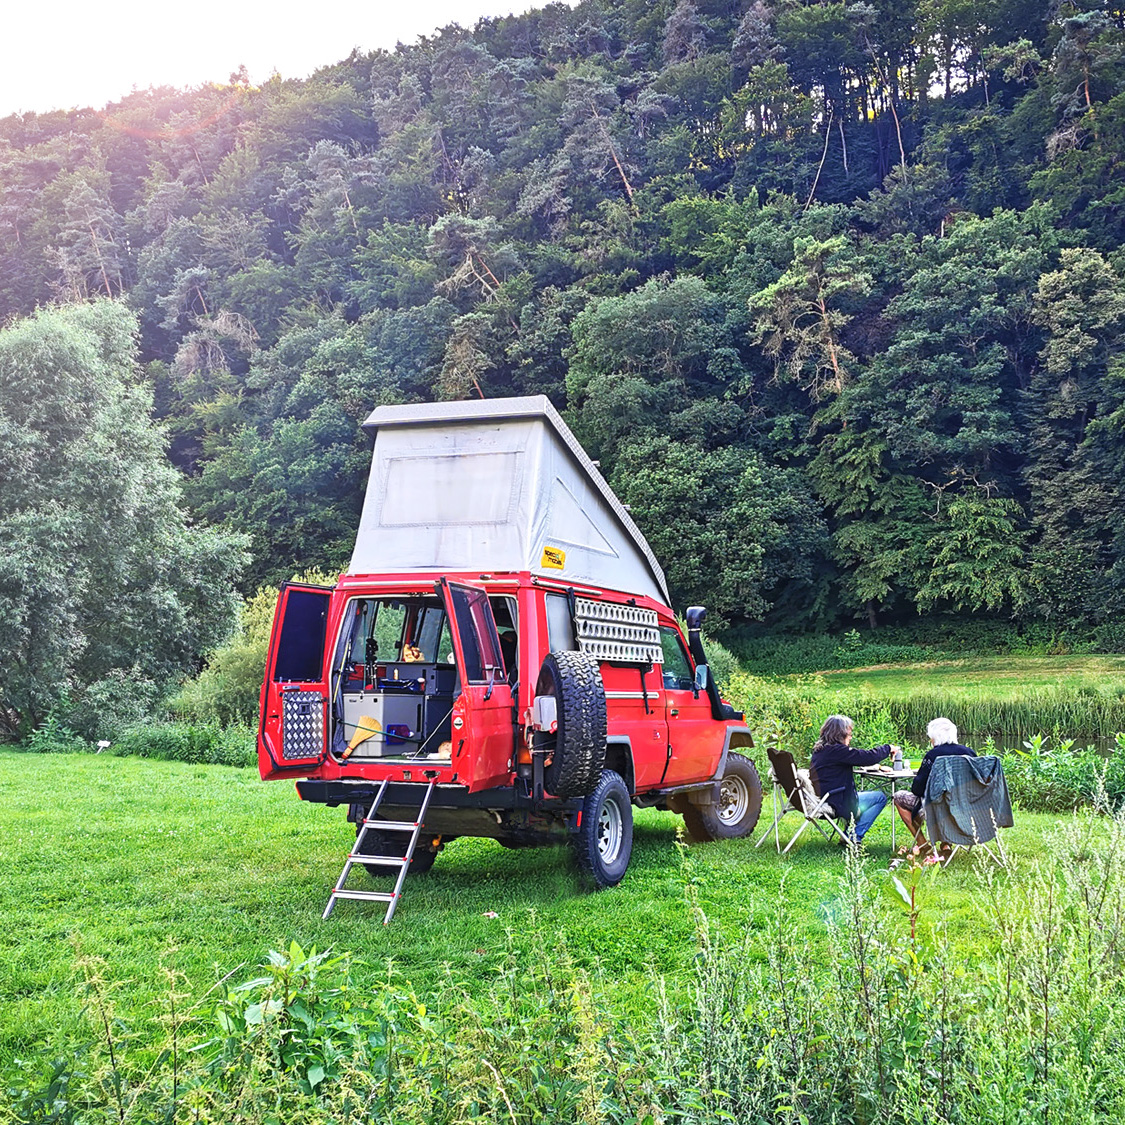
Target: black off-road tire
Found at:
x=693, y=822
x=577, y=749
x=694, y=829
x=393, y=844
x=603, y=843
x=740, y=802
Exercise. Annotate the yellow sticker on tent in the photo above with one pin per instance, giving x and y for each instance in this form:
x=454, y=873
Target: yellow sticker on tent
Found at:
x=553, y=558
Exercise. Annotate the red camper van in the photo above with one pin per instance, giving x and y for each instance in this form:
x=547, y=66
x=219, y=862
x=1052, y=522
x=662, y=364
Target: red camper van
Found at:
x=498, y=660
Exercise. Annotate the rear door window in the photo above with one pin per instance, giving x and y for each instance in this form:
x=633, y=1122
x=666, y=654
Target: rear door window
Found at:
x=480, y=645
x=300, y=648
x=560, y=625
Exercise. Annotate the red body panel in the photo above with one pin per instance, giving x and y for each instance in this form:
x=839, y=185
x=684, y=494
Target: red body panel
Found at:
x=674, y=739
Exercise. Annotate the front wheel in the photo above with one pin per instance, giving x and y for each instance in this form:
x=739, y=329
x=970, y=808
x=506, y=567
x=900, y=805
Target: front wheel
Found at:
x=604, y=842
x=739, y=805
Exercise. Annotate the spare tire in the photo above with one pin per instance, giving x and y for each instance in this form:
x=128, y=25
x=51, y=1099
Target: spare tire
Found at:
x=576, y=751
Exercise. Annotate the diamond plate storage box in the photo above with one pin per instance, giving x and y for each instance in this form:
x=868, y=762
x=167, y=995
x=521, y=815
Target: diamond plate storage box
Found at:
x=302, y=725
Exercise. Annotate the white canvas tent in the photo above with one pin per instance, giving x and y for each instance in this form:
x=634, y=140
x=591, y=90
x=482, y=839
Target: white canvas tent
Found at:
x=491, y=485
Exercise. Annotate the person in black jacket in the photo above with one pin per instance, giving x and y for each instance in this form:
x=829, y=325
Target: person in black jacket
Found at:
x=910, y=802
x=833, y=760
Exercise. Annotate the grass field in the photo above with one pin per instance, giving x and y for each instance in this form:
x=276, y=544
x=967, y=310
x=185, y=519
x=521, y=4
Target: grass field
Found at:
x=1000, y=677
x=153, y=866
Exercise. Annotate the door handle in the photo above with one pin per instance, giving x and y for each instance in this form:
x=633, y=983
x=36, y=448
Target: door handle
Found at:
x=675, y=711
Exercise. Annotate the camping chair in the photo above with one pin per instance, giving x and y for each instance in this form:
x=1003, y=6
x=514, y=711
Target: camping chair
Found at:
x=967, y=804
x=793, y=790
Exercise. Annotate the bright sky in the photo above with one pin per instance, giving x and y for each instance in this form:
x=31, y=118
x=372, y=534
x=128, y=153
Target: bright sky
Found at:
x=80, y=53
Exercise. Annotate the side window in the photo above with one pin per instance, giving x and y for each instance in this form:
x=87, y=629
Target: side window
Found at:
x=560, y=627
x=433, y=634
x=677, y=667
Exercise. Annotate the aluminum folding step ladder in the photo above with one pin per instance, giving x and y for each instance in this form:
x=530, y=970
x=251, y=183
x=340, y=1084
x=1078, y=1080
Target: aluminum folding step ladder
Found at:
x=391, y=862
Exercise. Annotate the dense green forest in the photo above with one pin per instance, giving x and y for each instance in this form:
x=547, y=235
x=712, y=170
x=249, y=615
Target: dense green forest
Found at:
x=835, y=292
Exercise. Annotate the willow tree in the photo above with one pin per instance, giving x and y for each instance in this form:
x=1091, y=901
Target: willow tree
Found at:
x=107, y=594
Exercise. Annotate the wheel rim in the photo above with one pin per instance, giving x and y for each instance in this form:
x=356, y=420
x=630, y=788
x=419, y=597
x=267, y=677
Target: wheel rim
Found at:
x=734, y=800
x=609, y=831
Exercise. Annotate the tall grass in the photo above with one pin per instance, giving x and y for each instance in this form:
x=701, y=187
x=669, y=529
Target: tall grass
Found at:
x=1083, y=713
x=896, y=1026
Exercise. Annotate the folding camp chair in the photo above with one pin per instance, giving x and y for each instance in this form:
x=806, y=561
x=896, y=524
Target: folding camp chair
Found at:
x=793, y=791
x=967, y=804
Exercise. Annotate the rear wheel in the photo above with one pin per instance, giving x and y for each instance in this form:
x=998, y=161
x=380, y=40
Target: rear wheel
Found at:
x=604, y=842
x=739, y=805
x=576, y=751
x=393, y=844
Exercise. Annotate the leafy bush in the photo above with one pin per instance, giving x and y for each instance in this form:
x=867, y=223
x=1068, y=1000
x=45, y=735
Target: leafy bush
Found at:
x=1063, y=777
x=929, y=638
x=782, y=656
x=184, y=742
x=722, y=662
x=977, y=635
x=1110, y=637
x=795, y=709
x=53, y=737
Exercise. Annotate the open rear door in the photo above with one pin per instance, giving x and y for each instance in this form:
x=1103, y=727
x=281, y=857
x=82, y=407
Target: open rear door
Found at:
x=483, y=723
x=293, y=732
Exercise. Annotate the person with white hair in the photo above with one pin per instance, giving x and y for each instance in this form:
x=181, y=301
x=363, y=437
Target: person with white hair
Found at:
x=910, y=802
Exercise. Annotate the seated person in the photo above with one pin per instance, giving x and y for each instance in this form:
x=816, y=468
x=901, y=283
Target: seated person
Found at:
x=910, y=802
x=411, y=653
x=833, y=760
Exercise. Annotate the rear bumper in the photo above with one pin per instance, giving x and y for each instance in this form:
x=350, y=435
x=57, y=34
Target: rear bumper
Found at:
x=335, y=793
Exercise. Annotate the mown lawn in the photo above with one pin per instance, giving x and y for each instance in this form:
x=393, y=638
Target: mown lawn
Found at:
x=153, y=865
x=999, y=677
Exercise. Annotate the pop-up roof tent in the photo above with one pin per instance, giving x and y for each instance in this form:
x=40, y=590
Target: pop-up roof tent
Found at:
x=489, y=485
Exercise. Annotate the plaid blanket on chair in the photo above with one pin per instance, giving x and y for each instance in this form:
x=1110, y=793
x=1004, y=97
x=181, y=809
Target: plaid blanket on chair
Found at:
x=967, y=800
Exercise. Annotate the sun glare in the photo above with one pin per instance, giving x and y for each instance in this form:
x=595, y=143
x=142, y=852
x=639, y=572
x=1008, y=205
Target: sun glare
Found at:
x=78, y=54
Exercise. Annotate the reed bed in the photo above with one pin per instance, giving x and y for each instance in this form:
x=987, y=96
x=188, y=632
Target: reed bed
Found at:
x=1081, y=713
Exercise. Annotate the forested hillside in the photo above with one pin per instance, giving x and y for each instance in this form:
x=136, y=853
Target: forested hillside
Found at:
x=834, y=291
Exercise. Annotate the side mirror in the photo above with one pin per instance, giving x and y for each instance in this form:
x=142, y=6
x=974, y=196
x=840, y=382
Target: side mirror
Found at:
x=702, y=675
